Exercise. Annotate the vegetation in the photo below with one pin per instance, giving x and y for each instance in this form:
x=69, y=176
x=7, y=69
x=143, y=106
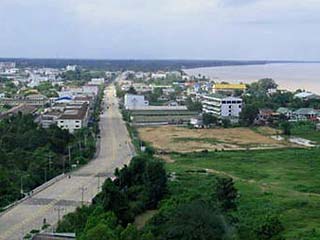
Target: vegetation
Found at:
x=137, y=188
x=305, y=130
x=193, y=105
x=257, y=97
x=278, y=190
x=29, y=155
x=80, y=76
x=47, y=89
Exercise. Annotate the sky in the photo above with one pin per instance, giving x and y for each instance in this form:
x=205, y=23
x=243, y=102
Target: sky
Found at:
x=161, y=29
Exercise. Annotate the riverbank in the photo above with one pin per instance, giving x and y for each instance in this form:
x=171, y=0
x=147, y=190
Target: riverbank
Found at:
x=290, y=76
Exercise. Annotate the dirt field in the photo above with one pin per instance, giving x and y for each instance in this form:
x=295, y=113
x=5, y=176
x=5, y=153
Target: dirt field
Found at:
x=178, y=139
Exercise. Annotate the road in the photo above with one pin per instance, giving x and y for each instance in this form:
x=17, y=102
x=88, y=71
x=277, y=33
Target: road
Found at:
x=66, y=194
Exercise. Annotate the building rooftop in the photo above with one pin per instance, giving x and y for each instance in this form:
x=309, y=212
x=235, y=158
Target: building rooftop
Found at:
x=230, y=86
x=220, y=96
x=306, y=111
x=75, y=113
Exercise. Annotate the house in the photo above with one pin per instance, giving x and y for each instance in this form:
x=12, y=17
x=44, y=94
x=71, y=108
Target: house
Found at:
x=33, y=100
x=96, y=81
x=54, y=236
x=49, y=118
x=306, y=96
x=222, y=106
x=229, y=89
x=71, y=68
x=303, y=114
x=266, y=116
x=74, y=117
x=132, y=101
x=172, y=103
x=159, y=75
x=197, y=122
x=90, y=90
x=168, y=91
x=141, y=88
x=285, y=112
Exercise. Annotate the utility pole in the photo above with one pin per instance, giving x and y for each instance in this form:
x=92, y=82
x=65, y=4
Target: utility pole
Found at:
x=50, y=162
x=45, y=174
x=69, y=152
x=85, y=140
x=98, y=182
x=82, y=189
x=59, y=210
x=21, y=183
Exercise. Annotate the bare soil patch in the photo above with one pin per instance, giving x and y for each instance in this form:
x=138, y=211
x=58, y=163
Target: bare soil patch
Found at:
x=179, y=139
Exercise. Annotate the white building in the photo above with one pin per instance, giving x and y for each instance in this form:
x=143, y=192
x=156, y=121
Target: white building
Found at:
x=71, y=68
x=159, y=75
x=74, y=117
x=96, y=81
x=90, y=90
x=132, y=101
x=222, y=106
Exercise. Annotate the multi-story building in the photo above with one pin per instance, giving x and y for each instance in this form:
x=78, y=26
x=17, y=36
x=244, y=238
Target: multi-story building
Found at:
x=33, y=99
x=228, y=88
x=97, y=81
x=132, y=101
x=91, y=90
x=71, y=68
x=222, y=106
x=74, y=117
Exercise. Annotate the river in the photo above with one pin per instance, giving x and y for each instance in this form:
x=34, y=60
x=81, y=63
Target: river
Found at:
x=290, y=76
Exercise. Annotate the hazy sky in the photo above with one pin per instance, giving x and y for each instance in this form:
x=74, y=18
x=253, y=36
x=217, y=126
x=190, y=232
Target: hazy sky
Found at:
x=175, y=29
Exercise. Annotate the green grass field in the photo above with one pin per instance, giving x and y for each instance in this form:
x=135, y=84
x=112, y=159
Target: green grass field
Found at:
x=284, y=181
x=306, y=130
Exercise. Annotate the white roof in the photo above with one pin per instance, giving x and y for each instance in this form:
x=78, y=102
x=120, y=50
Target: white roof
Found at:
x=159, y=108
x=303, y=94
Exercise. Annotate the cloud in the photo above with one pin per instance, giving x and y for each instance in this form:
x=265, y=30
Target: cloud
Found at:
x=159, y=29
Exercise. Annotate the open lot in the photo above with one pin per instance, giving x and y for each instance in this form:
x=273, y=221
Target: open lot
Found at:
x=180, y=139
x=282, y=181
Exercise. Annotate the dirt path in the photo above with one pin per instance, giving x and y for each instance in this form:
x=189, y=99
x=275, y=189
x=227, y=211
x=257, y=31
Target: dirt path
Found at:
x=263, y=186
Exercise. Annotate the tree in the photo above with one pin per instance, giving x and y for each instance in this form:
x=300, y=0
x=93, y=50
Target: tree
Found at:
x=101, y=231
x=226, y=194
x=209, y=119
x=130, y=233
x=248, y=114
x=286, y=128
x=226, y=122
x=132, y=90
x=194, y=221
x=156, y=182
x=270, y=227
x=193, y=105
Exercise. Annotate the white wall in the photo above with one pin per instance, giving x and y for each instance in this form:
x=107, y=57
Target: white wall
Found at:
x=70, y=124
x=133, y=101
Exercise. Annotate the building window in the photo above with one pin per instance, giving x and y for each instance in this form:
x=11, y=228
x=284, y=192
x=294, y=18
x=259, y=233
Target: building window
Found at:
x=240, y=106
x=77, y=126
x=230, y=106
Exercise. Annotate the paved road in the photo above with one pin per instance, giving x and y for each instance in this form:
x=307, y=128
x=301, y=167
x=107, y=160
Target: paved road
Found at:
x=66, y=194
